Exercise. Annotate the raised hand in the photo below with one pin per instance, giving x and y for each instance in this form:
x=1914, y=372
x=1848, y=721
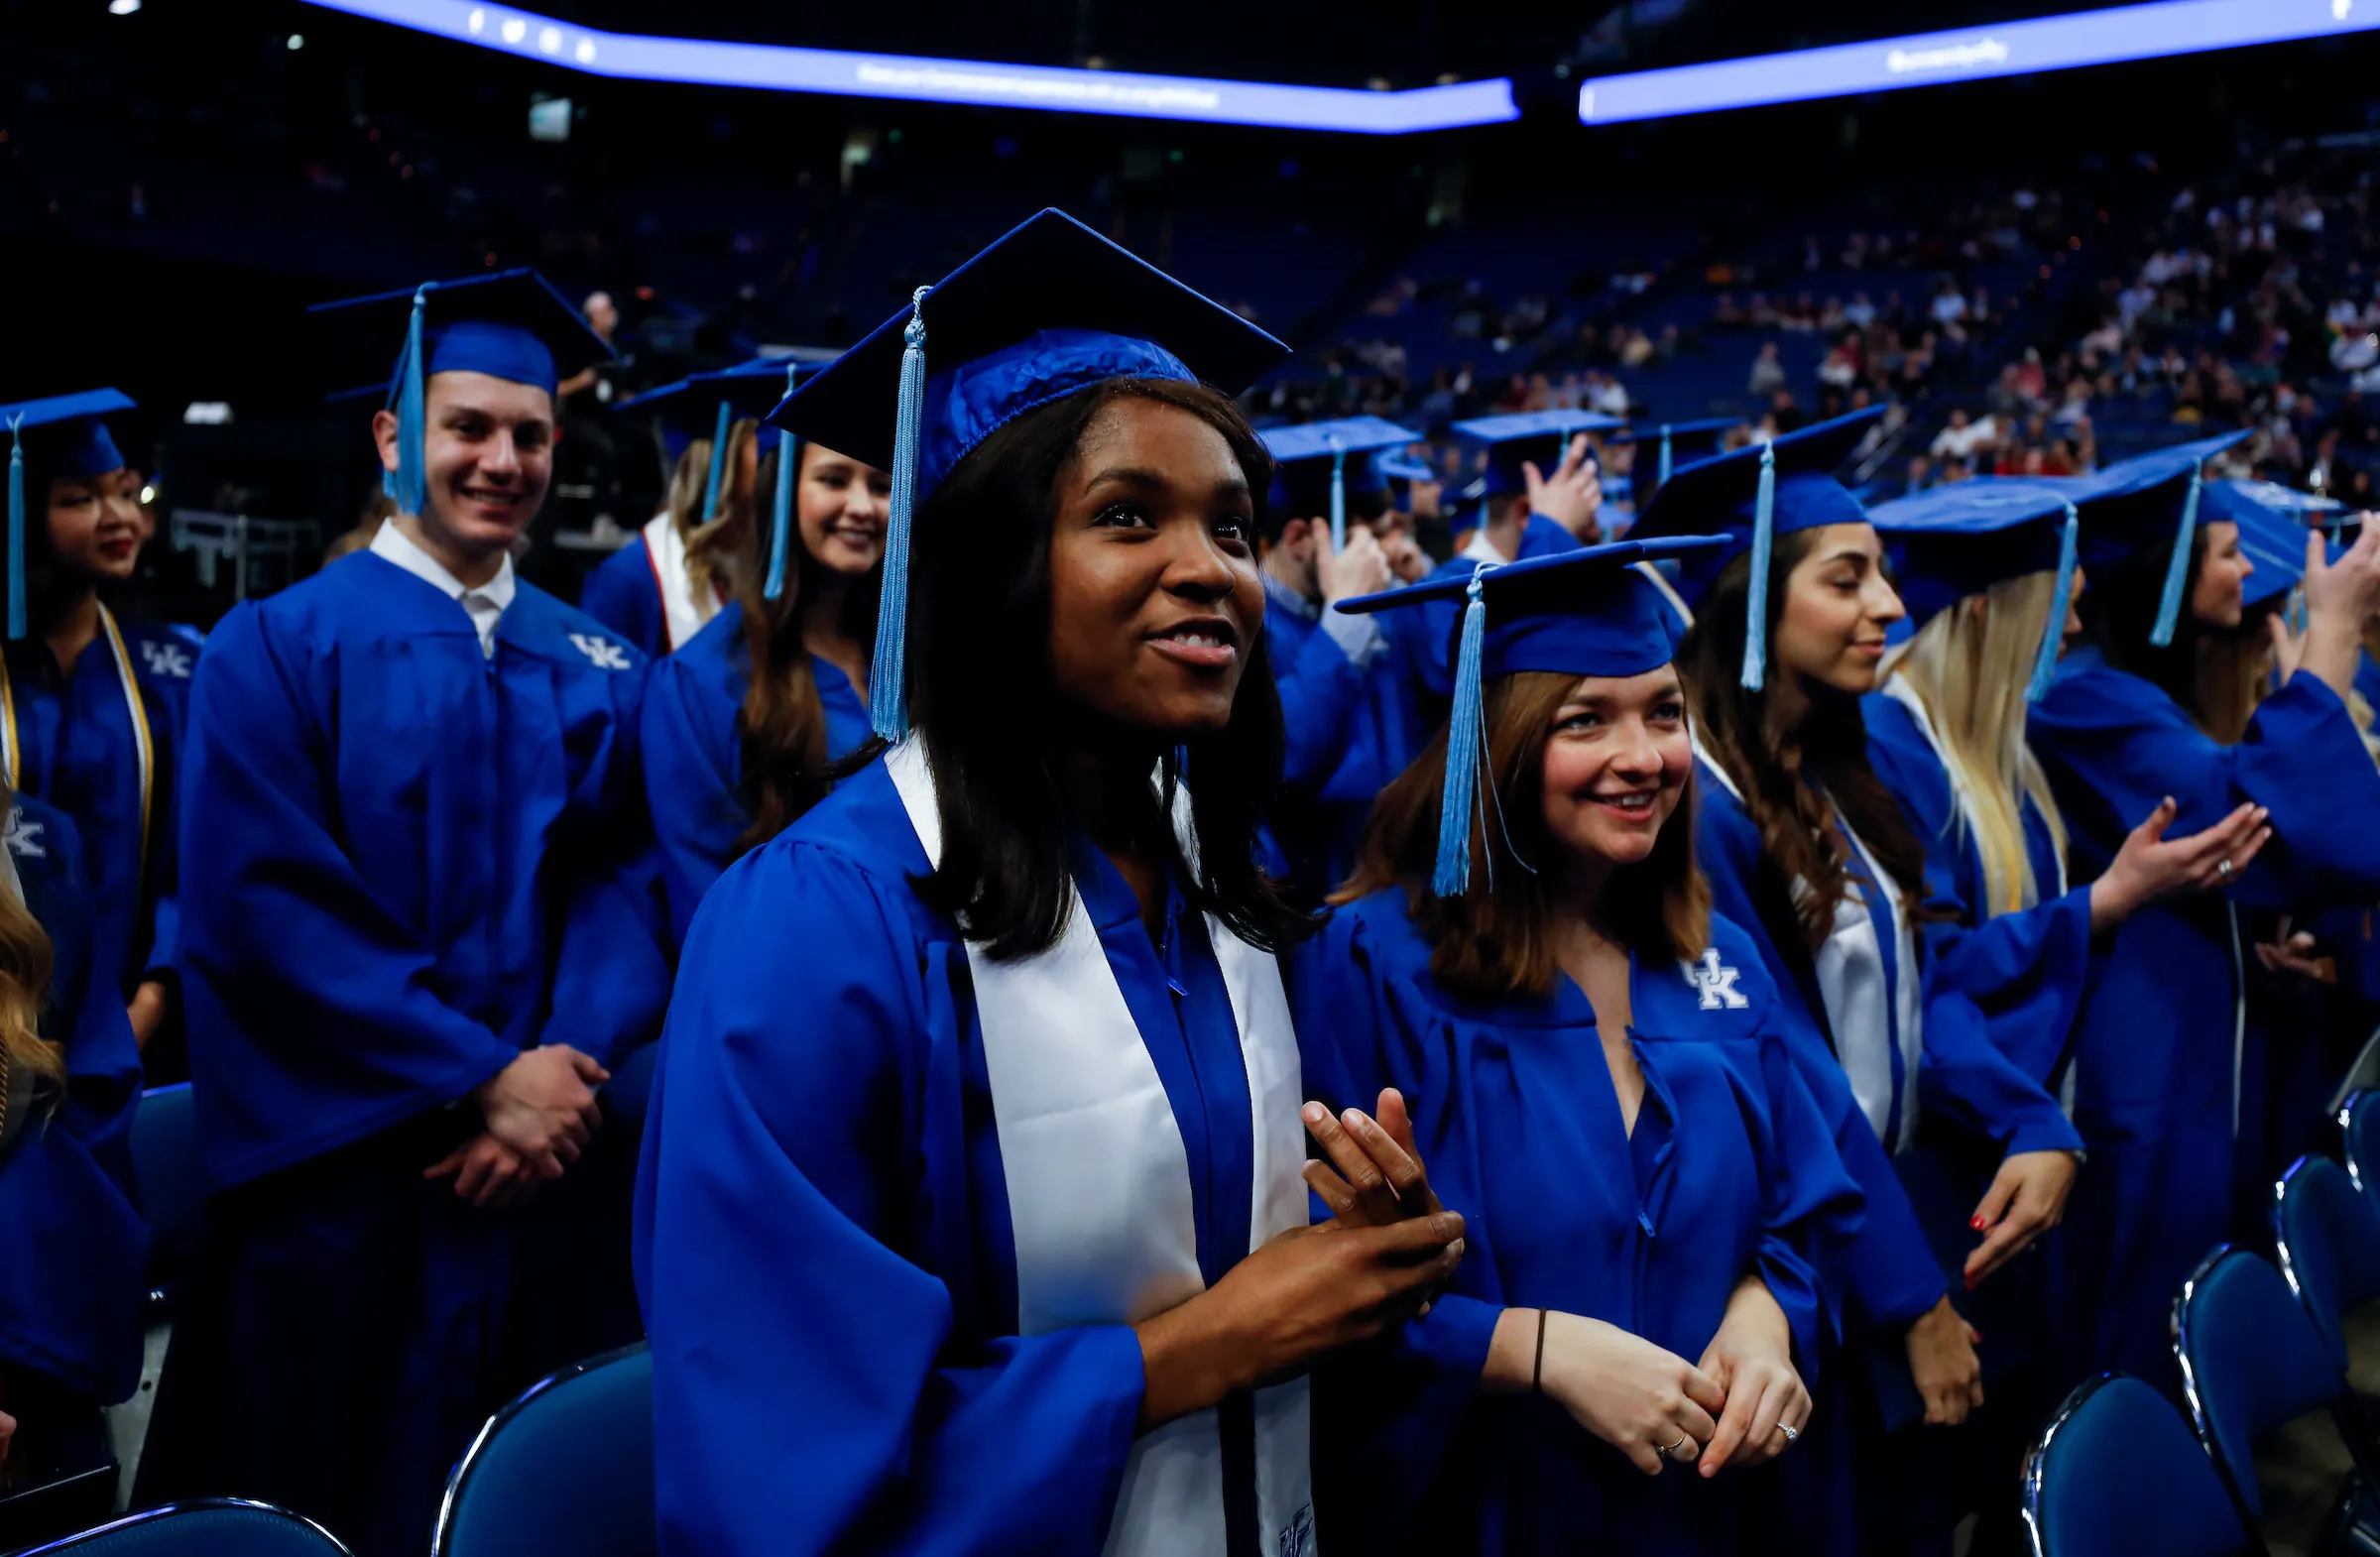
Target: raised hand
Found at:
x=1571, y=496
x=1379, y=1177
x=1361, y=568
x=2149, y=866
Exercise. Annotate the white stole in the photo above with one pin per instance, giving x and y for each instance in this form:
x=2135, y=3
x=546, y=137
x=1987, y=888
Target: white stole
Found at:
x=1862, y=1003
x=1099, y=1189
x=684, y=609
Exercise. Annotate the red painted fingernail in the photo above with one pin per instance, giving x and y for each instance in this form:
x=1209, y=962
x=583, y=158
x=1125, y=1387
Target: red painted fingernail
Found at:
x=1977, y=1223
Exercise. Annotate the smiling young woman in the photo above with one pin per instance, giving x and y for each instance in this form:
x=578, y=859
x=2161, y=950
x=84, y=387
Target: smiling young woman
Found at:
x=993, y=1037
x=1549, y=987
x=1808, y=851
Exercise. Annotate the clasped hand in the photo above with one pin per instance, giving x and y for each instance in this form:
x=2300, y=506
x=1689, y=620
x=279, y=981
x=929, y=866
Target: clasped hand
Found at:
x=536, y=1116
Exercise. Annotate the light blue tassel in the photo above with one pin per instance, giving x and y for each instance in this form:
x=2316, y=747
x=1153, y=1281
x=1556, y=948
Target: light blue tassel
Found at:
x=710, y=487
x=16, y=527
x=2045, y=659
x=1466, y=736
x=1662, y=471
x=407, y=486
x=780, y=522
x=2176, y=572
x=1755, y=605
x=887, y=700
x=1338, y=496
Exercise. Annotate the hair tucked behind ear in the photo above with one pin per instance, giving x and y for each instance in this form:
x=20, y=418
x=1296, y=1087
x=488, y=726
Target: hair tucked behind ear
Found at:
x=1795, y=800
x=981, y=696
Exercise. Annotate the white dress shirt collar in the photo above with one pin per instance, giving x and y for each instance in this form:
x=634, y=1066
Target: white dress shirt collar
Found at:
x=485, y=605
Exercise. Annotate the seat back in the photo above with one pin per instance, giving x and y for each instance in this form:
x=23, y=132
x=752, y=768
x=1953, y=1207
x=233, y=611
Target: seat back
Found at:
x=165, y=1161
x=2118, y=1473
x=202, y=1527
x=2251, y=1361
x=587, y=1428
x=2359, y=1130
x=2327, y=1237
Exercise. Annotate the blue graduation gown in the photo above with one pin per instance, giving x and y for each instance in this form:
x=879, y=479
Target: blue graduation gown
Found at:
x=408, y=863
x=1730, y=1170
x=80, y=751
x=1350, y=731
x=694, y=753
x=2163, y=1038
x=624, y=595
x=73, y=1246
x=2023, y=969
x=853, y=1380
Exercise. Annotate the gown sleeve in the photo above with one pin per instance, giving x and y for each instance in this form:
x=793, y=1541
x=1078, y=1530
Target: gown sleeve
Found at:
x=1320, y=689
x=1811, y=1209
x=310, y=1003
x=2023, y=970
x=1887, y=1273
x=73, y=1248
x=813, y=1389
x=2126, y=745
x=622, y=595
x=1969, y=1078
x=692, y=776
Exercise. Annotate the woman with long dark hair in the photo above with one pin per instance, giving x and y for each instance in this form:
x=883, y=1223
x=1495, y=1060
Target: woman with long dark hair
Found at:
x=742, y=723
x=91, y=704
x=1528, y=952
x=972, y=1216
x=1807, y=849
x=2128, y=722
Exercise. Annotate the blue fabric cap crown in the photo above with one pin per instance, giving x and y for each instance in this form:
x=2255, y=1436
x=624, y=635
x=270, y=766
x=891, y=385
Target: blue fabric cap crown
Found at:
x=1671, y=444
x=1588, y=612
x=1398, y=467
x=1959, y=540
x=1750, y=496
x=2144, y=502
x=60, y=435
x=2273, y=521
x=1050, y=309
x=1316, y=464
x=1538, y=435
x=511, y=325
x=708, y=404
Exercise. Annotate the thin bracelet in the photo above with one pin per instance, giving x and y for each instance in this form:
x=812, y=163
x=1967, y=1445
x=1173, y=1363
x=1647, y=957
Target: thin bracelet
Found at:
x=1538, y=1370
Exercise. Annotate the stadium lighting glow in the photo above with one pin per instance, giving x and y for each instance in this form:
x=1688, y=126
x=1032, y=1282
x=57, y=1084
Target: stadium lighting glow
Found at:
x=2051, y=43
x=769, y=67
x=122, y=7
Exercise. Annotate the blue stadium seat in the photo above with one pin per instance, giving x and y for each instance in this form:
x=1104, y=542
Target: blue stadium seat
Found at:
x=2359, y=1127
x=588, y=1427
x=165, y=1161
x=202, y=1527
x=2252, y=1362
x=2116, y=1474
x=2327, y=1237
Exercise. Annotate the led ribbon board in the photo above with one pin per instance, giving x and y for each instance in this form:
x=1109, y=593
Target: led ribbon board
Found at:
x=770, y=67
x=2054, y=42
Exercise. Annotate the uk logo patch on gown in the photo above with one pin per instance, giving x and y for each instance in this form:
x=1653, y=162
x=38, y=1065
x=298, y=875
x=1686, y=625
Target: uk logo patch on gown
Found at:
x=1715, y=982
x=167, y=659
x=606, y=653
x=23, y=835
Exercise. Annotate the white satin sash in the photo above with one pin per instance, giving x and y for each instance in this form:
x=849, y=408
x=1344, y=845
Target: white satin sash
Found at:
x=684, y=609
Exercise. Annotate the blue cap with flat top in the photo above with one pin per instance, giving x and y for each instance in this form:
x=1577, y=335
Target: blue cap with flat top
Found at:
x=2148, y=499
x=1588, y=612
x=1048, y=309
x=511, y=325
x=1750, y=496
x=708, y=404
x=2273, y=522
x=1694, y=441
x=1955, y=540
x=1542, y=436
x=1318, y=463
x=60, y=435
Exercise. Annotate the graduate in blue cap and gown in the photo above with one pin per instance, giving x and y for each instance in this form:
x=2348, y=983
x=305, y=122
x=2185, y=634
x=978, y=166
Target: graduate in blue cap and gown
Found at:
x=992, y=1042
x=1528, y=952
x=1345, y=704
x=2162, y=1045
x=91, y=704
x=72, y=1247
x=1655, y=450
x=424, y=926
x=1987, y=570
x=678, y=572
x=1809, y=853
x=744, y=721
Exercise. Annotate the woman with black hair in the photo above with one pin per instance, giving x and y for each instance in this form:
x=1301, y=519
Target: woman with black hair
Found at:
x=971, y=1215
x=741, y=723
x=2130, y=723
x=91, y=705
x=1808, y=850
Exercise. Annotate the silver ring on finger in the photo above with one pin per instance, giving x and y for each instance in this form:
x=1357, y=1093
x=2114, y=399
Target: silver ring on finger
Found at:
x=1793, y=1435
x=2223, y=869
x=1671, y=1453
